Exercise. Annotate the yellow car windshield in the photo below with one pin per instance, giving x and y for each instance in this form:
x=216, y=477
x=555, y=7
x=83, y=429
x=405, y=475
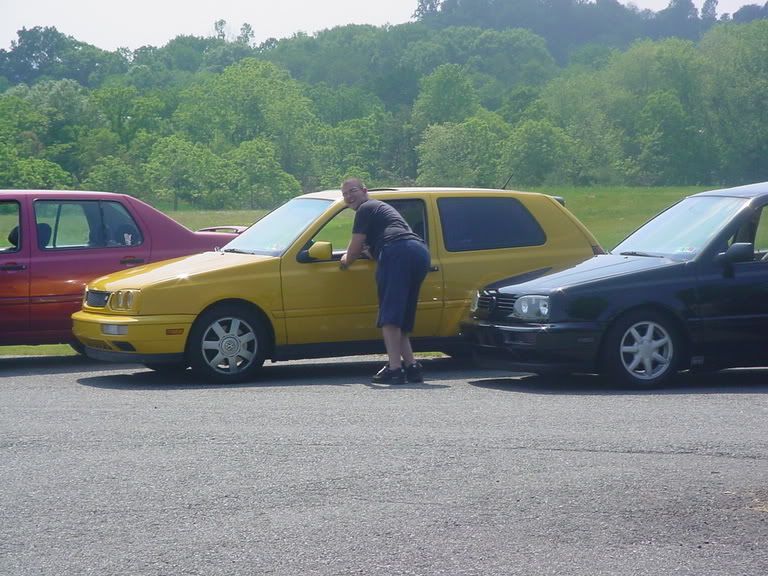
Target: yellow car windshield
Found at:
x=276, y=231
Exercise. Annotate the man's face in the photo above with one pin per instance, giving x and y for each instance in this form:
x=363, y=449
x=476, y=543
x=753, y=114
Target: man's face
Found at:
x=354, y=196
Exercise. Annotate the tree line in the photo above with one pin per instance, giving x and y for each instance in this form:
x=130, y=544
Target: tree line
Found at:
x=470, y=93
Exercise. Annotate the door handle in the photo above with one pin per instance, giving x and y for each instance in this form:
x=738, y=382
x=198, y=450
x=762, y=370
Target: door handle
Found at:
x=434, y=268
x=13, y=266
x=132, y=260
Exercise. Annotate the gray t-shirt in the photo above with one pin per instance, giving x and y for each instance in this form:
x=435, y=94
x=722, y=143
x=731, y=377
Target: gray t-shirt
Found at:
x=381, y=225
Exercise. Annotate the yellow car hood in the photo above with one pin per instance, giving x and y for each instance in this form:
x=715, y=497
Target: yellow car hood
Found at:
x=221, y=265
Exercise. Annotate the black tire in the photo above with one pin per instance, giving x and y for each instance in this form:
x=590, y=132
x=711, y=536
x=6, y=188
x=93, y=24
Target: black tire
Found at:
x=78, y=347
x=227, y=344
x=643, y=349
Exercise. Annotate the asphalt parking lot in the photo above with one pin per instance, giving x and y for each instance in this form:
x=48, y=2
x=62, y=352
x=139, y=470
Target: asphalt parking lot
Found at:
x=110, y=469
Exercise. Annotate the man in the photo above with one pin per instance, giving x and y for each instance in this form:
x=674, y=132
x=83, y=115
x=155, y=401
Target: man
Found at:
x=402, y=264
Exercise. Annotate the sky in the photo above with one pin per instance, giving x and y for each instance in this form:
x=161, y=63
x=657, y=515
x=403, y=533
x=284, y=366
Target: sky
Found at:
x=112, y=24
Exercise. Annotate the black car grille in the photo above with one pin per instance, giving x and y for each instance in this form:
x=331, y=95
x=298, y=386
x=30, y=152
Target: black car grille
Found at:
x=96, y=298
x=493, y=302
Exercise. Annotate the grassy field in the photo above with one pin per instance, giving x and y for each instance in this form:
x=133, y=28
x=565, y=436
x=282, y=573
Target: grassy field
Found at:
x=610, y=213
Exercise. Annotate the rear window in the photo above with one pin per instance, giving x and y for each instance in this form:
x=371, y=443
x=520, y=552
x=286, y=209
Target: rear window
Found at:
x=487, y=224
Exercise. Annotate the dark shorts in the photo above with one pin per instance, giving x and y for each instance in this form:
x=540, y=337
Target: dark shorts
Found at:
x=401, y=268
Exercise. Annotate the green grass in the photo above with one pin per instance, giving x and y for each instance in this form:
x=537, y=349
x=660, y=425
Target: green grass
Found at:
x=41, y=350
x=196, y=219
x=610, y=213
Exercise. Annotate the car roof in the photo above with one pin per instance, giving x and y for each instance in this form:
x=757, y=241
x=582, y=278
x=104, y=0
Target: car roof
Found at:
x=336, y=194
x=62, y=193
x=756, y=190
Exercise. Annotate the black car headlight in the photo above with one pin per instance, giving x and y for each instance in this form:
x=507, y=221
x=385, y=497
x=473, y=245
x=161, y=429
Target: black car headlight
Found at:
x=532, y=307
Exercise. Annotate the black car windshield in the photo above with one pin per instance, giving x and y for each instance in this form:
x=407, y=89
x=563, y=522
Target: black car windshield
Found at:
x=682, y=231
x=276, y=231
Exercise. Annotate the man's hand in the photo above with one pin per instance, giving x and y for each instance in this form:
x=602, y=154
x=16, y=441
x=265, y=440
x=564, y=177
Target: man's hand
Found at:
x=343, y=264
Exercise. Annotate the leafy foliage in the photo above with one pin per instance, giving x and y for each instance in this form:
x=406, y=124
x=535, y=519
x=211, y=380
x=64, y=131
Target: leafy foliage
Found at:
x=473, y=92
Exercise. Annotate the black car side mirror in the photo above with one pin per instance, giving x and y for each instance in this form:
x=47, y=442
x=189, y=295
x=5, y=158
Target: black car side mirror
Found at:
x=737, y=252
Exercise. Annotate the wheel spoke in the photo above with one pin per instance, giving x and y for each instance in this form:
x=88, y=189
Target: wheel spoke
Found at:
x=246, y=355
x=635, y=362
x=246, y=338
x=219, y=329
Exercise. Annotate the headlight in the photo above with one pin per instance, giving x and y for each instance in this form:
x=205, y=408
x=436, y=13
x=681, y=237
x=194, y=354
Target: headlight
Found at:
x=532, y=308
x=124, y=299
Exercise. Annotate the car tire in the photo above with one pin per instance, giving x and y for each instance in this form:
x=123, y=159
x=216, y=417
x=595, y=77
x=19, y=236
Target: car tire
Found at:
x=643, y=349
x=78, y=347
x=227, y=344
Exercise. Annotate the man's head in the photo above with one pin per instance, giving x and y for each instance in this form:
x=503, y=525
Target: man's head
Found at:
x=354, y=192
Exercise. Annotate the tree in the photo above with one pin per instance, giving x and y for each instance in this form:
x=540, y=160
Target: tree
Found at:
x=736, y=98
x=179, y=170
x=261, y=182
x=465, y=154
x=426, y=9
x=32, y=173
x=446, y=96
x=536, y=152
x=249, y=100
x=668, y=142
x=113, y=174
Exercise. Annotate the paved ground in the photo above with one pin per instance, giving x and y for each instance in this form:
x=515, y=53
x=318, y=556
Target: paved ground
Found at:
x=117, y=470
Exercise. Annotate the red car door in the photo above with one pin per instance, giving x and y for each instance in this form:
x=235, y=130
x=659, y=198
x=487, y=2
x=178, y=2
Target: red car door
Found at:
x=75, y=242
x=14, y=270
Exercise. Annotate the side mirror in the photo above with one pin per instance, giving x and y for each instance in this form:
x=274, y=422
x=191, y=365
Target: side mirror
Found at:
x=737, y=252
x=318, y=251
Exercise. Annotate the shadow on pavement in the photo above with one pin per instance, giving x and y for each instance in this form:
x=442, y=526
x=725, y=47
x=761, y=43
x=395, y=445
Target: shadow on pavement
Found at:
x=40, y=365
x=733, y=381
x=330, y=372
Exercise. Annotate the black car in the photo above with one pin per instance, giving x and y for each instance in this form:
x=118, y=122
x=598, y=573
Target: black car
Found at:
x=688, y=289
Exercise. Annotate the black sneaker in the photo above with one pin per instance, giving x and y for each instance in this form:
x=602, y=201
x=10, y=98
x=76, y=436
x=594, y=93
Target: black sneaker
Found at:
x=387, y=376
x=413, y=372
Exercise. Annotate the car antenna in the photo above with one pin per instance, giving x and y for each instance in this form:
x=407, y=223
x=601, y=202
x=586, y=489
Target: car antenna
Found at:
x=507, y=182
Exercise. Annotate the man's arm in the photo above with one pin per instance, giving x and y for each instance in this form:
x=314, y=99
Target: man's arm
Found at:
x=354, y=250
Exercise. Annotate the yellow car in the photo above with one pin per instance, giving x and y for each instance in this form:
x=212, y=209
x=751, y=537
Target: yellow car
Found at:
x=277, y=291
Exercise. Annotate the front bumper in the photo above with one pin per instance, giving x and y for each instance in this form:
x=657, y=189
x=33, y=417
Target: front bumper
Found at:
x=155, y=339
x=539, y=348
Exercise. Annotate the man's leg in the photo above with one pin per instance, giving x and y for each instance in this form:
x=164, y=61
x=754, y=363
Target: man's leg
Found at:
x=393, y=342
x=405, y=349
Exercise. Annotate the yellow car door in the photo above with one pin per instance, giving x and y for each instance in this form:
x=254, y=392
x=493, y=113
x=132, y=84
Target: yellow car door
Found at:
x=323, y=303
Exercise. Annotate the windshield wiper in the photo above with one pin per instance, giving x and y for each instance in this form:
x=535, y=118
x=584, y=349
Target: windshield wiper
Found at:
x=635, y=253
x=238, y=251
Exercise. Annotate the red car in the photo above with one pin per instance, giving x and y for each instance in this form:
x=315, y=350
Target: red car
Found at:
x=53, y=242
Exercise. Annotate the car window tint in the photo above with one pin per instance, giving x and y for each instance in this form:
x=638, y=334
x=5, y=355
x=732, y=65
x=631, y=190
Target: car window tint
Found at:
x=67, y=224
x=414, y=212
x=120, y=229
x=487, y=223
x=10, y=240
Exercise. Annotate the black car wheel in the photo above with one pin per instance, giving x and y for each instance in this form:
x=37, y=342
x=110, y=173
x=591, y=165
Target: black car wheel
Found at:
x=642, y=349
x=227, y=344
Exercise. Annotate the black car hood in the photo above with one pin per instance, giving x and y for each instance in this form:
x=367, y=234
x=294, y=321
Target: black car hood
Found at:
x=598, y=268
